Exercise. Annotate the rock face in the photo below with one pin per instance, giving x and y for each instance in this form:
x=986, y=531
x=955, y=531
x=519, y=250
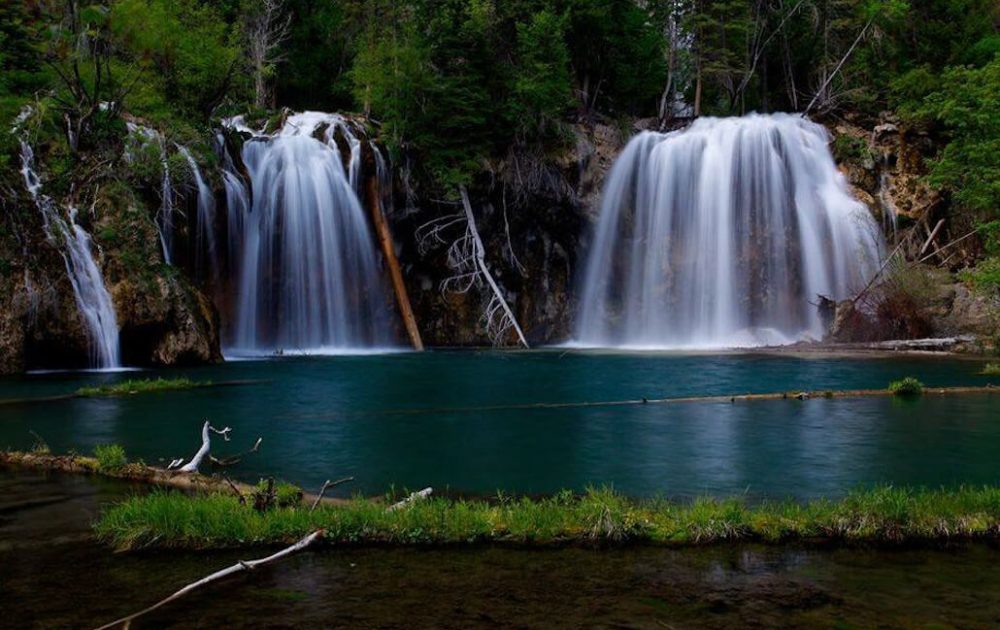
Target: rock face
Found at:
x=534, y=217
x=163, y=318
x=885, y=164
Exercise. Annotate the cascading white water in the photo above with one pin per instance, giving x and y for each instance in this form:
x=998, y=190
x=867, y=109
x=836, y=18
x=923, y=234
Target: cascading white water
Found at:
x=92, y=297
x=147, y=136
x=308, y=277
x=205, y=221
x=720, y=235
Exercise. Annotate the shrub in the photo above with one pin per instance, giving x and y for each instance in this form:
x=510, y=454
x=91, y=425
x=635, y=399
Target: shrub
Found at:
x=909, y=386
x=287, y=495
x=110, y=457
x=991, y=369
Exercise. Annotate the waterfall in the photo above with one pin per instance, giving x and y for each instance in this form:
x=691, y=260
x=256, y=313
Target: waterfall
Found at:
x=92, y=297
x=165, y=217
x=720, y=235
x=205, y=221
x=307, y=274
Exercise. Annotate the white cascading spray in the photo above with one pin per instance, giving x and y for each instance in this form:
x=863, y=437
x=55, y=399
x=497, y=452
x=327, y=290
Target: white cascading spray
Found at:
x=721, y=235
x=308, y=277
x=92, y=297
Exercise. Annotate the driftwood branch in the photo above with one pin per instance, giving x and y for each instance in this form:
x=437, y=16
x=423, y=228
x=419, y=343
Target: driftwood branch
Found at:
x=206, y=446
x=235, y=459
x=242, y=565
x=329, y=484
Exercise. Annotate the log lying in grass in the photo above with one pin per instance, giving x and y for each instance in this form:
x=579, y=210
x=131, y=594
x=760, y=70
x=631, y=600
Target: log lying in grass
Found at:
x=415, y=496
x=137, y=472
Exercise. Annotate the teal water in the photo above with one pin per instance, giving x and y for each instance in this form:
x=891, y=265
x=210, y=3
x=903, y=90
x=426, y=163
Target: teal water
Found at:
x=416, y=420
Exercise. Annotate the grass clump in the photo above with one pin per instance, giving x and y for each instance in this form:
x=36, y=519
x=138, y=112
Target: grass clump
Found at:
x=598, y=517
x=908, y=386
x=110, y=457
x=991, y=369
x=140, y=386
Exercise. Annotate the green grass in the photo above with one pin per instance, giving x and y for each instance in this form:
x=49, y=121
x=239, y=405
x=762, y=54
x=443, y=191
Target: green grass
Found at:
x=140, y=386
x=887, y=514
x=991, y=369
x=909, y=386
x=110, y=457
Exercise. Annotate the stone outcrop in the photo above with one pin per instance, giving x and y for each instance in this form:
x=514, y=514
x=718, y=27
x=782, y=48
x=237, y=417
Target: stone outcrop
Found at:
x=534, y=215
x=163, y=318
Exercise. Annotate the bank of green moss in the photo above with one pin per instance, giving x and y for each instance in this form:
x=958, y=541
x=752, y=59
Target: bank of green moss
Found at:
x=140, y=386
x=880, y=515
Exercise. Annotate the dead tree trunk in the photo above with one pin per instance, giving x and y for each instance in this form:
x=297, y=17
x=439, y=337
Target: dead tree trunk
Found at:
x=822, y=89
x=467, y=259
x=498, y=300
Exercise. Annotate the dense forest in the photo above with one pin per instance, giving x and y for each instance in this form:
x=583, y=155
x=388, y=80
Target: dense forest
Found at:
x=457, y=90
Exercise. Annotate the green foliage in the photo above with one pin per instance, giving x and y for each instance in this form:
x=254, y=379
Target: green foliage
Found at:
x=966, y=102
x=542, y=86
x=991, y=369
x=908, y=386
x=319, y=55
x=287, y=494
x=110, y=457
x=188, y=53
x=140, y=386
x=849, y=148
x=281, y=494
x=884, y=514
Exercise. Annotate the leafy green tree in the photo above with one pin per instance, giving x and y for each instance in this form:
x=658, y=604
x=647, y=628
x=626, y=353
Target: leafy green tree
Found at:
x=542, y=89
x=966, y=103
x=188, y=54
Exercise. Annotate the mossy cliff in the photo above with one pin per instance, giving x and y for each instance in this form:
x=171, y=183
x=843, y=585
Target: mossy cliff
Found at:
x=163, y=318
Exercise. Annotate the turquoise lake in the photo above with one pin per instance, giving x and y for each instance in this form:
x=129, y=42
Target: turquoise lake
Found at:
x=457, y=421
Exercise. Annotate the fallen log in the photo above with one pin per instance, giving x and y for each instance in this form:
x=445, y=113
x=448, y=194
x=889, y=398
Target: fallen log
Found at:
x=415, y=496
x=392, y=262
x=242, y=565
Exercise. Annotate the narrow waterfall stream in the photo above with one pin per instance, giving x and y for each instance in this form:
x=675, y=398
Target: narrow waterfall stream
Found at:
x=722, y=235
x=146, y=136
x=303, y=255
x=92, y=297
x=206, y=261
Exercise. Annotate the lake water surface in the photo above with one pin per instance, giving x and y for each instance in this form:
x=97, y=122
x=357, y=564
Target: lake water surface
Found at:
x=445, y=419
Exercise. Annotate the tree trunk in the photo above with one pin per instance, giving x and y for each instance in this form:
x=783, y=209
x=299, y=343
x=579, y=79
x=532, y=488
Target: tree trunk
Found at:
x=389, y=251
x=697, y=91
x=480, y=255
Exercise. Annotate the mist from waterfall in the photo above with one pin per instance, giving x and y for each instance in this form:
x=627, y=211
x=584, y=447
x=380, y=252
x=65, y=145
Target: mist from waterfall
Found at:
x=92, y=297
x=723, y=235
x=306, y=272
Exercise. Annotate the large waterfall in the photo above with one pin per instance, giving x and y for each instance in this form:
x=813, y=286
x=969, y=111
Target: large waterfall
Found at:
x=723, y=235
x=92, y=297
x=307, y=276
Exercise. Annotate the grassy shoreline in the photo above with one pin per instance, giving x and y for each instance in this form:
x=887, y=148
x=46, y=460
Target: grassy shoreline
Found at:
x=882, y=515
x=140, y=386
